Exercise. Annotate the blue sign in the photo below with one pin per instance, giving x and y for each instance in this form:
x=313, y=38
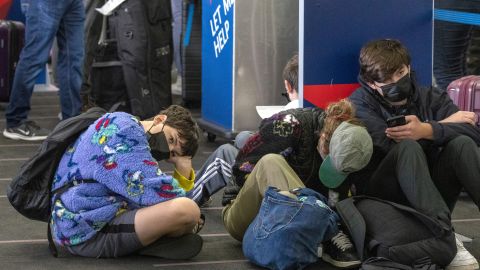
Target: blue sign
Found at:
x=217, y=61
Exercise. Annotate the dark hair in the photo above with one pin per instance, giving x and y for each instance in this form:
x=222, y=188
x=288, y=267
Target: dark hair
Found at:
x=380, y=59
x=188, y=131
x=335, y=114
x=290, y=72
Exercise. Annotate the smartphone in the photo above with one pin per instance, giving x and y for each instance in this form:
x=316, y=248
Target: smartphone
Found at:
x=395, y=121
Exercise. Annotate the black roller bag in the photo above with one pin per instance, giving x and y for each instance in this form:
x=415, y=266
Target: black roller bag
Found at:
x=143, y=30
x=12, y=38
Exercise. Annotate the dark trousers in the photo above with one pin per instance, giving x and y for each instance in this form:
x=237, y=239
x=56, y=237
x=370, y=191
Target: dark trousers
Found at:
x=215, y=173
x=451, y=41
x=405, y=176
x=457, y=168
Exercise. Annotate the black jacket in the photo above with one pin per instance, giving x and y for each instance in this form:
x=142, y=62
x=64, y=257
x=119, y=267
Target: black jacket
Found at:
x=428, y=104
x=294, y=137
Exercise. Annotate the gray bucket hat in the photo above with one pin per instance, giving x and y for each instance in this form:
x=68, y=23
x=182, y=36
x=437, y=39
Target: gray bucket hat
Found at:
x=350, y=150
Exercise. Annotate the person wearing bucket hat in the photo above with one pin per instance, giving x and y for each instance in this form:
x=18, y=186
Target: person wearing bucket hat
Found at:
x=286, y=152
x=351, y=148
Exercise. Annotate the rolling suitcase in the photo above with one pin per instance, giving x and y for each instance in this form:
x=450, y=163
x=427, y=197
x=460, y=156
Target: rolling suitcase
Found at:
x=108, y=83
x=143, y=32
x=108, y=88
x=12, y=37
x=93, y=27
x=465, y=93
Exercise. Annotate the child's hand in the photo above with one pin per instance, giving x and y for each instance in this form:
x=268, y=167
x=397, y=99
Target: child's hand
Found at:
x=183, y=164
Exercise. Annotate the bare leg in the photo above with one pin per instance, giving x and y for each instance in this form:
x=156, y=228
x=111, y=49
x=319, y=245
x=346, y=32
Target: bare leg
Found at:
x=171, y=218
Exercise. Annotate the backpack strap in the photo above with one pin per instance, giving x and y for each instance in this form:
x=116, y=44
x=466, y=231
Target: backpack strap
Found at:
x=51, y=244
x=435, y=226
x=354, y=222
x=59, y=191
x=380, y=263
x=373, y=244
x=118, y=104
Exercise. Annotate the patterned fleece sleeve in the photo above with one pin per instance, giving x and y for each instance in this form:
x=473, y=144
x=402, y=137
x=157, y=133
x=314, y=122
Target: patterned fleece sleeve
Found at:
x=125, y=164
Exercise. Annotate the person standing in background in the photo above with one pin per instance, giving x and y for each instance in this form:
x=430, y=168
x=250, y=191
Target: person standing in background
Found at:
x=451, y=41
x=45, y=20
x=177, y=6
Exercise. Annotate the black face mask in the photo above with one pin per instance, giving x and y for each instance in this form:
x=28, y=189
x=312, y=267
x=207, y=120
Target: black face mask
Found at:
x=158, y=145
x=398, y=91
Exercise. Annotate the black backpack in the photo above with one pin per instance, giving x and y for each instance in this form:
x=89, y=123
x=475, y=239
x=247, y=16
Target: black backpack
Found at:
x=381, y=228
x=29, y=192
x=380, y=263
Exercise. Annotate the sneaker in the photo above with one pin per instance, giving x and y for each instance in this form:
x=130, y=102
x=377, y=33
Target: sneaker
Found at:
x=177, y=87
x=340, y=252
x=199, y=225
x=27, y=131
x=174, y=248
x=205, y=202
x=463, y=260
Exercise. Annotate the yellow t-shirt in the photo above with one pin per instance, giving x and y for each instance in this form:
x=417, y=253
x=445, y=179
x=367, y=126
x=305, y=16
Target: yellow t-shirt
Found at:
x=185, y=183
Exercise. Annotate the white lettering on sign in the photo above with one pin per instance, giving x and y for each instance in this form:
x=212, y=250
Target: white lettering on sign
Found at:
x=215, y=21
x=227, y=4
x=220, y=28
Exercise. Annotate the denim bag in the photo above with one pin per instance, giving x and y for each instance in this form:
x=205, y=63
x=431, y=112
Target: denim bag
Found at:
x=287, y=232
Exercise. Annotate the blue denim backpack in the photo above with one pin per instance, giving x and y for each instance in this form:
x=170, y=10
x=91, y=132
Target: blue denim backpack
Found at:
x=287, y=232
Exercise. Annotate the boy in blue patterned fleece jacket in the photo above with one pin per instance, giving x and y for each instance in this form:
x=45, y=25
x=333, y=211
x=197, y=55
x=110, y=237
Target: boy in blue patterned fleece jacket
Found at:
x=131, y=203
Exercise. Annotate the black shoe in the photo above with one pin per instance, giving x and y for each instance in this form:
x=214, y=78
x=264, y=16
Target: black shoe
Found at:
x=174, y=248
x=340, y=252
x=205, y=202
x=27, y=131
x=230, y=193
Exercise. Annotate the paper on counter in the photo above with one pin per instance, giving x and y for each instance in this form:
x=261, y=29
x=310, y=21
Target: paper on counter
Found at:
x=267, y=111
x=109, y=6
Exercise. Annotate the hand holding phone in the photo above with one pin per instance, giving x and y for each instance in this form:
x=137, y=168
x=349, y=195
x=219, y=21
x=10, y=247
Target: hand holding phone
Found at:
x=395, y=121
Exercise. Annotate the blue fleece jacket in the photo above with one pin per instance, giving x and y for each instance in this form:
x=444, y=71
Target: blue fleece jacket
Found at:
x=113, y=151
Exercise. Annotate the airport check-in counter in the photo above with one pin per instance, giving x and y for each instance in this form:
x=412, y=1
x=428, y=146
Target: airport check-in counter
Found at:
x=245, y=45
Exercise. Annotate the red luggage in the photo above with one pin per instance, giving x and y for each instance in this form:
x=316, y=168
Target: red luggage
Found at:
x=465, y=93
x=12, y=37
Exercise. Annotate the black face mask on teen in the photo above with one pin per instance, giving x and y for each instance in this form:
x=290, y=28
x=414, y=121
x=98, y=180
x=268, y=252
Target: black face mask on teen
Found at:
x=158, y=145
x=398, y=91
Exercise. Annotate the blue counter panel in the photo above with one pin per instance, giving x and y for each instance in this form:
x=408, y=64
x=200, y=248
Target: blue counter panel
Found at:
x=217, y=61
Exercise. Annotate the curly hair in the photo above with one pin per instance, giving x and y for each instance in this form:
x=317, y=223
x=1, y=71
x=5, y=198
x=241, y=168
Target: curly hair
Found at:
x=188, y=131
x=335, y=114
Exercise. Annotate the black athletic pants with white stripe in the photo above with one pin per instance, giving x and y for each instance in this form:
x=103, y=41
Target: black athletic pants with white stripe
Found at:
x=214, y=174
